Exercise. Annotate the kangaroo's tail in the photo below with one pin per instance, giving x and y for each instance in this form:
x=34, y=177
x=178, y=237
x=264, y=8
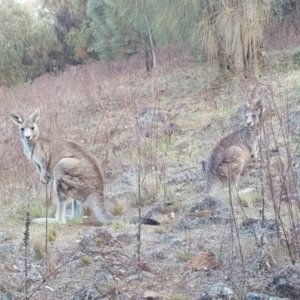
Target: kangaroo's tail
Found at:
x=96, y=201
x=135, y=220
x=148, y=221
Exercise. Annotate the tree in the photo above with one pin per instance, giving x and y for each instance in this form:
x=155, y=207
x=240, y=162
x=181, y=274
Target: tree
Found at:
x=71, y=26
x=123, y=28
x=231, y=32
x=25, y=44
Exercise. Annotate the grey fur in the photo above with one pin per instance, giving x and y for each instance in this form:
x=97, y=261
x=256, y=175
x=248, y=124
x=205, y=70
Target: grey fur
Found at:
x=74, y=171
x=227, y=159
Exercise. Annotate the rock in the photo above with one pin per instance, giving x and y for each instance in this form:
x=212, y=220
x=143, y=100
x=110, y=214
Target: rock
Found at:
x=172, y=240
x=43, y=220
x=6, y=249
x=218, y=291
x=286, y=283
x=249, y=196
x=294, y=122
x=33, y=274
x=3, y=236
x=151, y=295
x=124, y=188
x=148, y=118
x=126, y=238
x=208, y=203
x=7, y=296
x=88, y=293
x=212, y=211
x=251, y=225
x=95, y=237
x=255, y=296
x=157, y=254
x=191, y=223
x=186, y=175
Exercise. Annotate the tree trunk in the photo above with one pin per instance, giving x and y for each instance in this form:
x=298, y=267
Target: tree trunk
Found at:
x=150, y=56
x=148, y=60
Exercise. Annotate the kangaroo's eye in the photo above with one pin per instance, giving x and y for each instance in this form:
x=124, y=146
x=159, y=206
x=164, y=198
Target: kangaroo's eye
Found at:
x=32, y=128
x=22, y=129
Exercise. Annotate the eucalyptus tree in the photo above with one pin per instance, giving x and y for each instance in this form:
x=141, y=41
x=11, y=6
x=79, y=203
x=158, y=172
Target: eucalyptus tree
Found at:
x=123, y=28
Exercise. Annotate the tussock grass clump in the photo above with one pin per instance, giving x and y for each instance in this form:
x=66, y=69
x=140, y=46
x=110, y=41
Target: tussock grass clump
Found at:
x=183, y=254
x=117, y=209
x=85, y=261
x=38, y=210
x=74, y=221
x=52, y=235
x=119, y=224
x=39, y=247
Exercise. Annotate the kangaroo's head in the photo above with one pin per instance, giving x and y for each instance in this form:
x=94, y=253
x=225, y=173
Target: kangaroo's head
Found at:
x=253, y=113
x=28, y=127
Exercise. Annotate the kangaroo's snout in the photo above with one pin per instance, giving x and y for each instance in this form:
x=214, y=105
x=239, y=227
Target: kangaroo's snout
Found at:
x=28, y=134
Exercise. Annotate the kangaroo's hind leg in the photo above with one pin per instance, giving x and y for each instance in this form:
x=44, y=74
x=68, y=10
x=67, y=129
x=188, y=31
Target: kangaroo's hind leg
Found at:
x=61, y=200
x=236, y=163
x=65, y=185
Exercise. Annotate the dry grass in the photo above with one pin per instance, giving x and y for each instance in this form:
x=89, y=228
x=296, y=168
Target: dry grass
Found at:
x=98, y=106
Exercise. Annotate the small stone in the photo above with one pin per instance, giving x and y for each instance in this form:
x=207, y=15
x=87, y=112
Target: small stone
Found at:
x=151, y=295
x=218, y=291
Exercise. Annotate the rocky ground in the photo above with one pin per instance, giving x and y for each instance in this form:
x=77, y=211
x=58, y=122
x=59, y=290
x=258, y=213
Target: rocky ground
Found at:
x=204, y=248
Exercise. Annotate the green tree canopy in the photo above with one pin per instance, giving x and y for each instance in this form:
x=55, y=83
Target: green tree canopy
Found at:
x=72, y=28
x=123, y=28
x=25, y=42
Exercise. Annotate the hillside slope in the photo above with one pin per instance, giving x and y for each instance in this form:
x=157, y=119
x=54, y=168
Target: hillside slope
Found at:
x=157, y=128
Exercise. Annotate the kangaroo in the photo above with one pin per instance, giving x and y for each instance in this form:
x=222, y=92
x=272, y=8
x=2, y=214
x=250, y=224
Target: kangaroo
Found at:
x=227, y=159
x=74, y=171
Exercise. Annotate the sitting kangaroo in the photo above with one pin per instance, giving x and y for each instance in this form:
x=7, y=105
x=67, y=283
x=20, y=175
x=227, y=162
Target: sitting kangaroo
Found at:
x=227, y=159
x=74, y=171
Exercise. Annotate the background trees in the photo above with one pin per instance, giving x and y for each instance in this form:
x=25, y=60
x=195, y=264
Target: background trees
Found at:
x=71, y=26
x=25, y=44
x=124, y=28
x=54, y=33
x=231, y=32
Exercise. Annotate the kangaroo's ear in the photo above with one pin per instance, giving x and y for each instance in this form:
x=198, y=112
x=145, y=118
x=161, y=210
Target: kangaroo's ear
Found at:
x=16, y=119
x=33, y=118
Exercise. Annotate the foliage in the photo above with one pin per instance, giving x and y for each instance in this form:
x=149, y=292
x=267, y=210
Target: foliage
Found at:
x=71, y=26
x=231, y=33
x=85, y=261
x=228, y=33
x=79, y=40
x=124, y=28
x=25, y=44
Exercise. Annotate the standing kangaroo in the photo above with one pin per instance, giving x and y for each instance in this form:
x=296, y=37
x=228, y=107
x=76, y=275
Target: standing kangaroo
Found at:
x=74, y=171
x=227, y=159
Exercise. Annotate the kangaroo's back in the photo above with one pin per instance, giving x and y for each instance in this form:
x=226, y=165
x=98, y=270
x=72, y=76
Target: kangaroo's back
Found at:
x=227, y=159
x=59, y=149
